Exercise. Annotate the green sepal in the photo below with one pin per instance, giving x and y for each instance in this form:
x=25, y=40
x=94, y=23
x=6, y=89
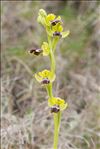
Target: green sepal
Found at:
x=65, y=34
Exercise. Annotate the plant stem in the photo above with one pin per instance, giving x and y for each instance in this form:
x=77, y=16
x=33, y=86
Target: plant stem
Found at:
x=54, y=43
x=52, y=61
x=49, y=90
x=57, y=117
x=52, y=58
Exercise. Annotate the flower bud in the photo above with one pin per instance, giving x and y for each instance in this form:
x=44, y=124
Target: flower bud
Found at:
x=42, y=13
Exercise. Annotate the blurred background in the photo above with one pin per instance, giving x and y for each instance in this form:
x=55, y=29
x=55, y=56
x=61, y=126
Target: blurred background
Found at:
x=26, y=121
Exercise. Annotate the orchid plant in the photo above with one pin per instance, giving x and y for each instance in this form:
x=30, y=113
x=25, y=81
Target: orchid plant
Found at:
x=54, y=30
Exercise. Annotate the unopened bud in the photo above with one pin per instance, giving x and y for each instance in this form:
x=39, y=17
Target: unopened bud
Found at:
x=42, y=12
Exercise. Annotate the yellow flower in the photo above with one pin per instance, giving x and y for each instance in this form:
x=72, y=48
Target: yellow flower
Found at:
x=58, y=31
x=45, y=77
x=57, y=28
x=45, y=48
x=50, y=17
x=52, y=20
x=52, y=23
x=55, y=21
x=57, y=104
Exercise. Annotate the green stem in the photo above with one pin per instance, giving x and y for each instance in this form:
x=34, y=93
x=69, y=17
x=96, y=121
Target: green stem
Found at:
x=57, y=117
x=49, y=90
x=52, y=61
x=52, y=58
x=54, y=43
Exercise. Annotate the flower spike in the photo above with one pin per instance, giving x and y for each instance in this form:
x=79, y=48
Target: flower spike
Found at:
x=54, y=29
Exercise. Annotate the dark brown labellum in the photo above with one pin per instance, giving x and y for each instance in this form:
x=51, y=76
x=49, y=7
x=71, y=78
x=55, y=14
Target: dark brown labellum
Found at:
x=45, y=81
x=32, y=50
x=54, y=22
x=55, y=109
x=35, y=51
x=57, y=34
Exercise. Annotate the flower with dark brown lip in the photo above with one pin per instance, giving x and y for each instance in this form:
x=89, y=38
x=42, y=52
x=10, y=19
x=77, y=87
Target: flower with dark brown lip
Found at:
x=57, y=104
x=55, y=109
x=54, y=22
x=45, y=76
x=35, y=51
x=45, y=81
x=57, y=34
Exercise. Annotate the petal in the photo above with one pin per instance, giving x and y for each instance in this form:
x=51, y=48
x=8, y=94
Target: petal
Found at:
x=38, y=78
x=50, y=17
x=63, y=107
x=52, y=101
x=65, y=34
x=57, y=28
x=60, y=28
x=45, y=73
x=60, y=101
x=58, y=18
